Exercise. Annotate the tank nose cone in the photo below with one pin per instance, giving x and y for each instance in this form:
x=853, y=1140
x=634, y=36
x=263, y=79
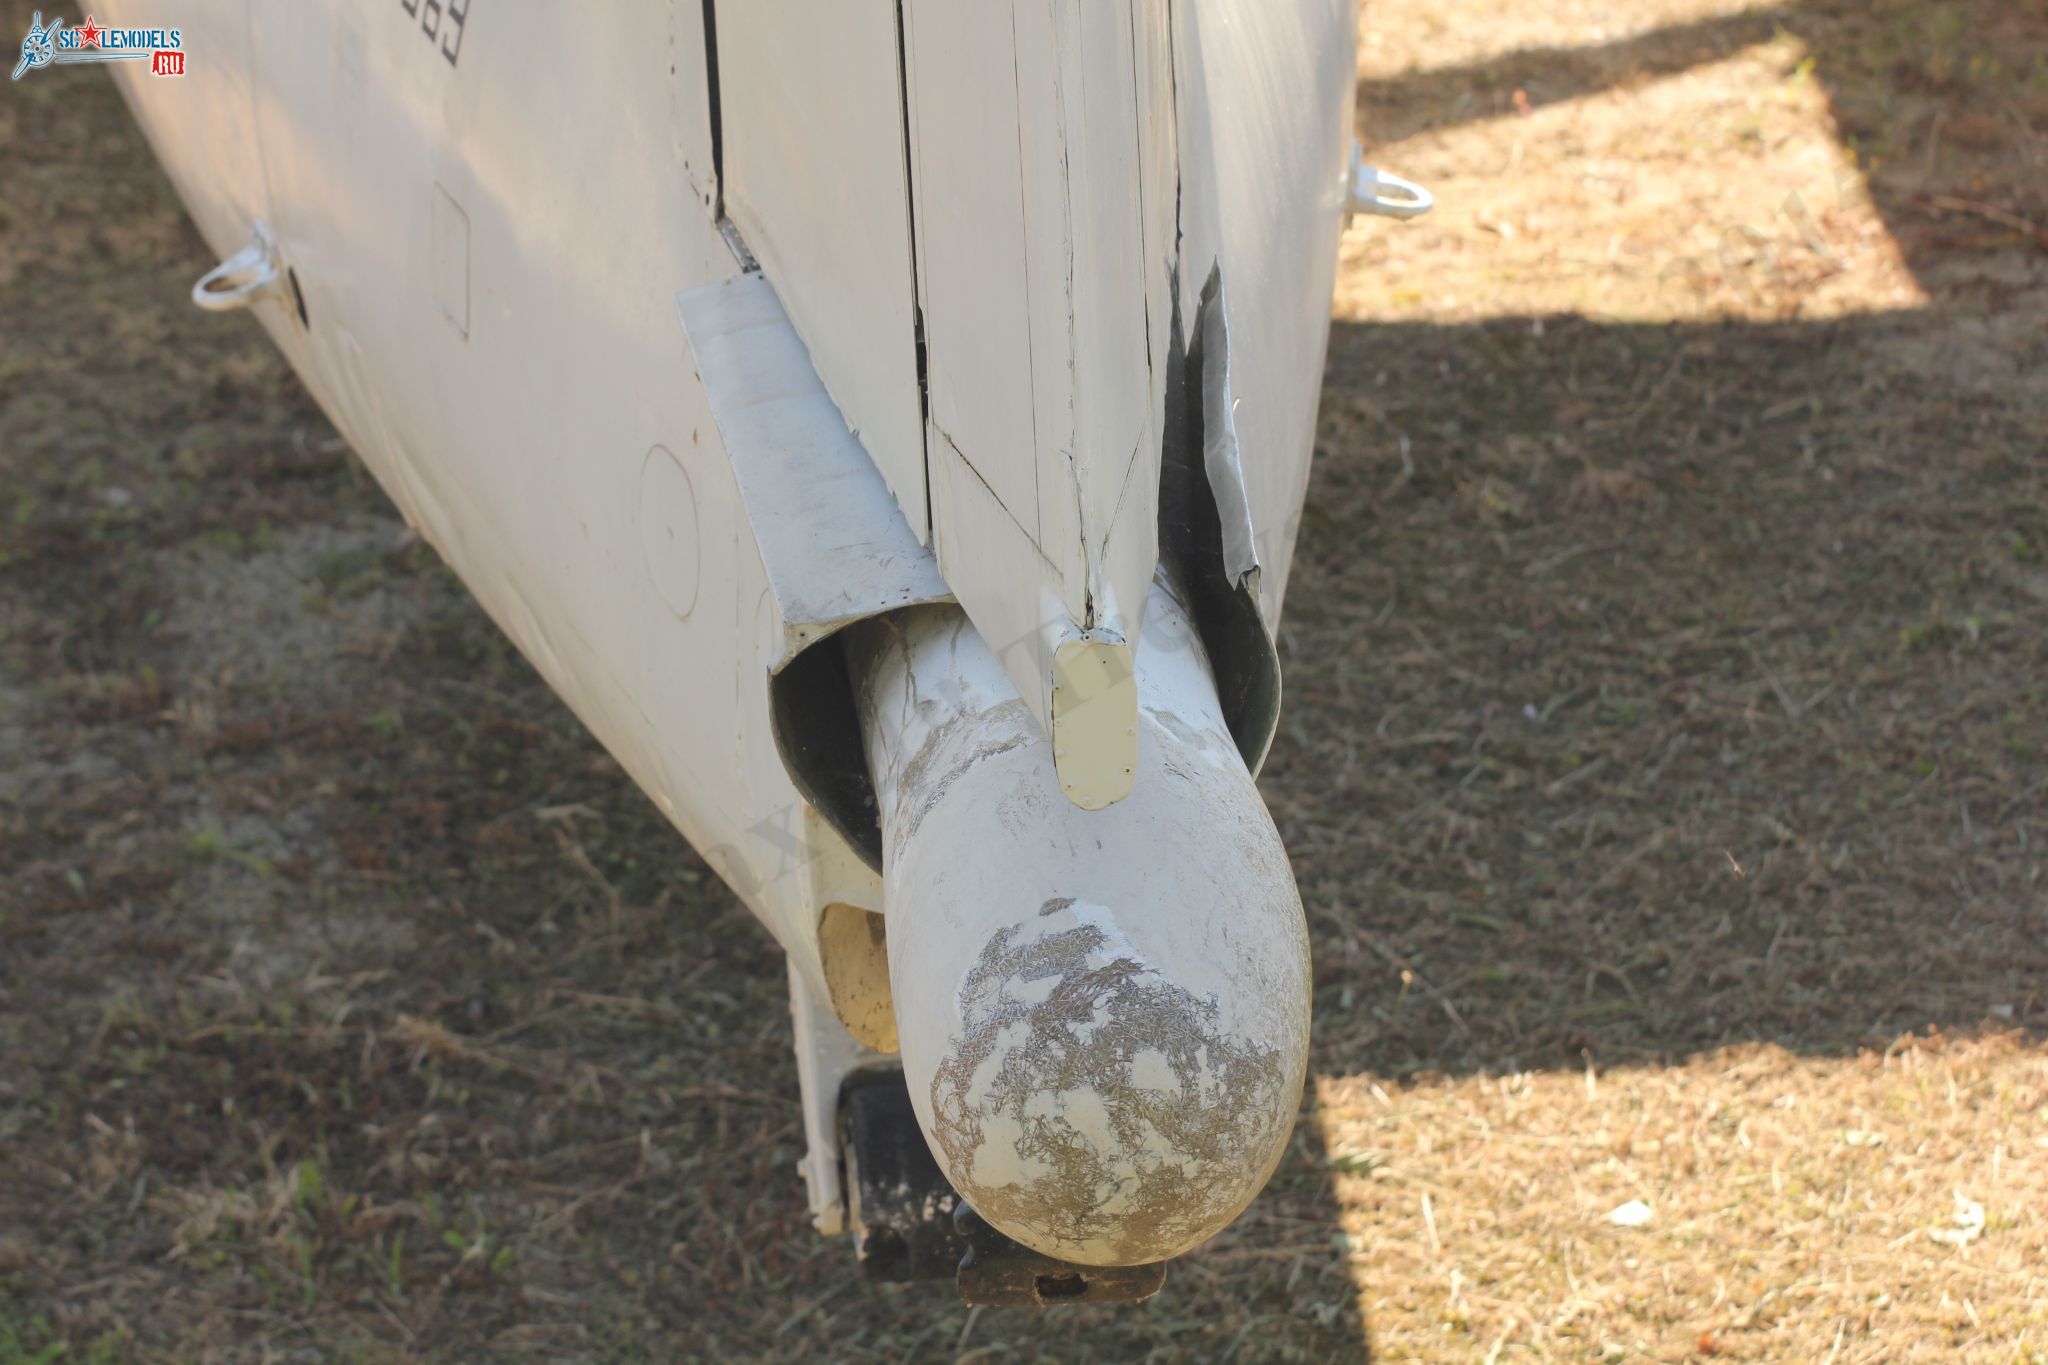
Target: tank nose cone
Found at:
x=1090, y=1104
x=1103, y=1013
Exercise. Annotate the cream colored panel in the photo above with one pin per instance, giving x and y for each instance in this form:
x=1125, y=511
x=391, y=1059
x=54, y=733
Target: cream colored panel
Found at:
x=690, y=99
x=1265, y=121
x=202, y=126
x=812, y=115
x=971, y=214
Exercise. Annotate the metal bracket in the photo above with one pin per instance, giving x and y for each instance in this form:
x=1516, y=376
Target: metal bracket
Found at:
x=251, y=274
x=1370, y=187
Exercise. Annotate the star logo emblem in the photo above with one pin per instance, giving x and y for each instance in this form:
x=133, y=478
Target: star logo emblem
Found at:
x=89, y=32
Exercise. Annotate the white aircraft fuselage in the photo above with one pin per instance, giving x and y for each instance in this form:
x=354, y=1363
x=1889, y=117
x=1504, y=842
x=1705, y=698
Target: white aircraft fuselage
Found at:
x=885, y=423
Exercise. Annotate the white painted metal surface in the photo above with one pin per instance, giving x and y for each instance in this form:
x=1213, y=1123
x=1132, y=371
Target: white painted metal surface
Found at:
x=482, y=225
x=815, y=180
x=520, y=450
x=826, y=1054
x=1104, y=1015
x=204, y=132
x=1265, y=108
x=1041, y=135
x=834, y=545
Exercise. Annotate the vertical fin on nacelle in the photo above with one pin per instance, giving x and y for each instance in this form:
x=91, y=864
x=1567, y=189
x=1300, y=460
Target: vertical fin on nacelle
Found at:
x=1044, y=183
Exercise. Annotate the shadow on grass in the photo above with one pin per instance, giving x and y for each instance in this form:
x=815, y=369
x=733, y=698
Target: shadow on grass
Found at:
x=1691, y=665
x=1659, y=688
x=1681, y=689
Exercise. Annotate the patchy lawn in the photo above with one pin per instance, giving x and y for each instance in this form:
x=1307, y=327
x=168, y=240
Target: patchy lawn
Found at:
x=1665, y=764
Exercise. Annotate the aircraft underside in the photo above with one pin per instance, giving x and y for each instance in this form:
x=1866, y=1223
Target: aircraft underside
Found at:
x=885, y=422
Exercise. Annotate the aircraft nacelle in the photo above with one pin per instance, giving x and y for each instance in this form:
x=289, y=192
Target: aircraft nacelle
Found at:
x=885, y=423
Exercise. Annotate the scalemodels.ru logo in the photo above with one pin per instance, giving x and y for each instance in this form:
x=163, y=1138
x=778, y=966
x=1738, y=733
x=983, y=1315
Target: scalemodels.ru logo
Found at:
x=162, y=48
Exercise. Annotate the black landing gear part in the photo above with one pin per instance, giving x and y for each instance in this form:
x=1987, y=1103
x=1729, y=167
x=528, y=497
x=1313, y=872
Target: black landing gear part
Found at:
x=908, y=1224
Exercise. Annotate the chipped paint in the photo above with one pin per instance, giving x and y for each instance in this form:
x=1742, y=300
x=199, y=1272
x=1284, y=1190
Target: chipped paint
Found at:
x=1089, y=1100
x=1103, y=1014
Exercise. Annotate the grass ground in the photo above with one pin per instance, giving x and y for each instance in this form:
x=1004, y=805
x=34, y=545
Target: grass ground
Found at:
x=1665, y=766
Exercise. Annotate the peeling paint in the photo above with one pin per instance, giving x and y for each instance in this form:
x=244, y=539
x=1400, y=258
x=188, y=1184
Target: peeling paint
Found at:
x=1091, y=1101
x=932, y=788
x=1103, y=1014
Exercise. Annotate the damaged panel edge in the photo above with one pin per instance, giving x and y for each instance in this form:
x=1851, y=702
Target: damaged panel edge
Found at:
x=1220, y=455
x=1206, y=533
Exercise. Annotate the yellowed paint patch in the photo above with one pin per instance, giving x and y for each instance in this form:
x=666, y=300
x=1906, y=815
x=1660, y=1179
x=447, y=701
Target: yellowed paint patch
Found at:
x=1094, y=721
x=853, y=945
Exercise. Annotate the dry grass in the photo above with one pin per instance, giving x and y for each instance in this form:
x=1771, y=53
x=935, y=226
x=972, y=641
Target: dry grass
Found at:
x=1885, y=1208
x=1665, y=765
